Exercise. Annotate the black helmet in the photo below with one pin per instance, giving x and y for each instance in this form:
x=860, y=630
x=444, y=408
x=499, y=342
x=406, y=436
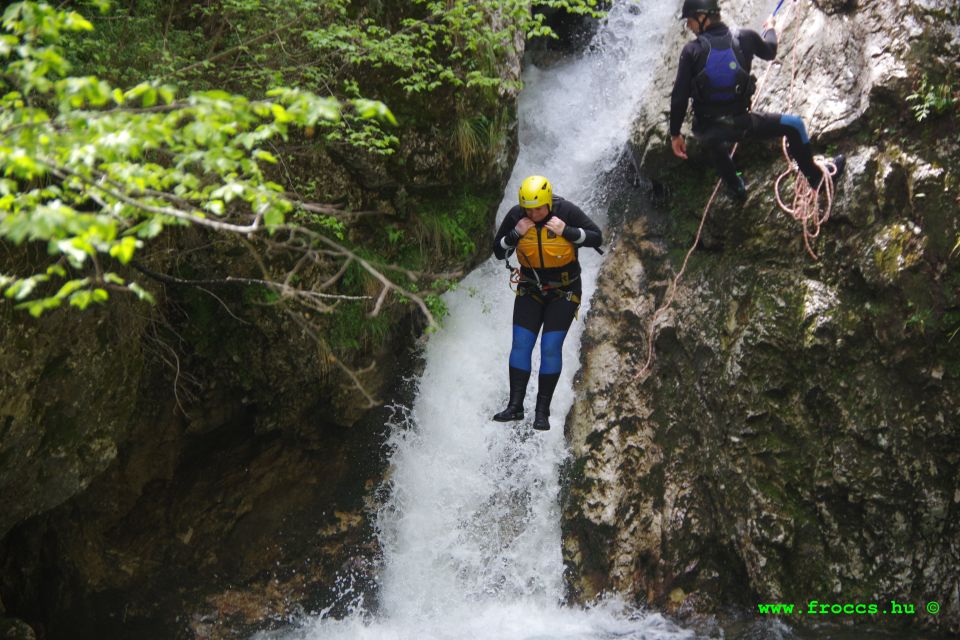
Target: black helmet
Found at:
x=692, y=7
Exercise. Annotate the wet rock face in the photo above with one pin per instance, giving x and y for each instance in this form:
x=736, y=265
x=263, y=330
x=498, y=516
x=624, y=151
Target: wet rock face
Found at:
x=796, y=437
x=573, y=32
x=215, y=515
x=831, y=7
x=63, y=407
x=207, y=541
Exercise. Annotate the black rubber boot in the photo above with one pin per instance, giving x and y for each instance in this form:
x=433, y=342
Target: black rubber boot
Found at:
x=541, y=415
x=840, y=161
x=737, y=190
x=518, y=390
x=803, y=155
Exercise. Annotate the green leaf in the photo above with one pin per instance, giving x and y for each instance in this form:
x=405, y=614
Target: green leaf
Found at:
x=273, y=217
x=74, y=253
x=71, y=286
x=81, y=299
x=7, y=45
x=140, y=292
x=215, y=207
x=76, y=22
x=166, y=94
x=22, y=288
x=374, y=109
x=37, y=307
x=149, y=228
x=266, y=156
x=149, y=97
x=124, y=249
x=280, y=114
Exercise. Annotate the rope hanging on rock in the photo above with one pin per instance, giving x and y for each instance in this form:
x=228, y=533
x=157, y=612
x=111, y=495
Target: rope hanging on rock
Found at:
x=805, y=207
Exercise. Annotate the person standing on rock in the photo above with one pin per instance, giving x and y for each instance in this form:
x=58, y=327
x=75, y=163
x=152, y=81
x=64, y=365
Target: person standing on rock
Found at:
x=546, y=233
x=715, y=71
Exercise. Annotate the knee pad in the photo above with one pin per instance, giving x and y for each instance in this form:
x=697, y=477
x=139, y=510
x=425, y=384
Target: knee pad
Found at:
x=795, y=122
x=551, y=351
x=522, y=349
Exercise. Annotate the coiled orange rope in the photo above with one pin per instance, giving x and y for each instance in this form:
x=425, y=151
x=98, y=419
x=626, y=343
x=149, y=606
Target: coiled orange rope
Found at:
x=805, y=207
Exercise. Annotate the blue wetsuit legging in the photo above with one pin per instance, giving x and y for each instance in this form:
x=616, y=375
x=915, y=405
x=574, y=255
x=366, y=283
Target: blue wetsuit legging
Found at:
x=554, y=313
x=717, y=135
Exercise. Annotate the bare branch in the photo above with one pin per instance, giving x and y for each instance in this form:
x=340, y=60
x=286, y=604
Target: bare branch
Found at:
x=284, y=290
x=336, y=277
x=332, y=210
x=350, y=373
x=369, y=268
x=307, y=256
x=376, y=308
x=223, y=304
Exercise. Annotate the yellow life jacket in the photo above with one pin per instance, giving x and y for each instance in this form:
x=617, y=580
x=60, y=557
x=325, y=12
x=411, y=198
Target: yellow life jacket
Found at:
x=543, y=249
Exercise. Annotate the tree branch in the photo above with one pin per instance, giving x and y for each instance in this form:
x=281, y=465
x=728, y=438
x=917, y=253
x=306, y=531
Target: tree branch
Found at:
x=350, y=373
x=230, y=51
x=332, y=210
x=281, y=288
x=63, y=173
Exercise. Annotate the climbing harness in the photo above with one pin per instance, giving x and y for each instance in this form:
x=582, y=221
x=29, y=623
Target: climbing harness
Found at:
x=523, y=286
x=515, y=275
x=805, y=206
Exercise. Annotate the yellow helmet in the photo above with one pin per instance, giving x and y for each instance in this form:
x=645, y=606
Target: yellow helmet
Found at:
x=536, y=192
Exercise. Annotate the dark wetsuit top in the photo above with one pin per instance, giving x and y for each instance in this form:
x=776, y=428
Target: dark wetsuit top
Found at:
x=691, y=62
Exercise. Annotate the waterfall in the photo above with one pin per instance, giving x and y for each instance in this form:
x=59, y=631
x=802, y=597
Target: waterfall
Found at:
x=471, y=528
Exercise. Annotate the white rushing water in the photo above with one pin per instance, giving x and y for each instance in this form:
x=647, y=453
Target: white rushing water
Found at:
x=471, y=529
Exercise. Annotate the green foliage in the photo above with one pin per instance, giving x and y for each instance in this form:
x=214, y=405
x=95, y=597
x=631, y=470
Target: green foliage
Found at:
x=932, y=99
x=443, y=233
x=353, y=329
x=919, y=318
x=477, y=138
x=452, y=226
x=96, y=172
x=330, y=47
x=102, y=149
x=437, y=306
x=456, y=43
x=171, y=115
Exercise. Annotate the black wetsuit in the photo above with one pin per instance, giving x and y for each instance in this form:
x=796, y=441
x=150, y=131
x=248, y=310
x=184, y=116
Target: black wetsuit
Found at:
x=719, y=128
x=547, y=298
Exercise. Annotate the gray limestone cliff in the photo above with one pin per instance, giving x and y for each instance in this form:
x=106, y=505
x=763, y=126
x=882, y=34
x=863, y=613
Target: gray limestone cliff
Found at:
x=797, y=436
